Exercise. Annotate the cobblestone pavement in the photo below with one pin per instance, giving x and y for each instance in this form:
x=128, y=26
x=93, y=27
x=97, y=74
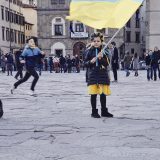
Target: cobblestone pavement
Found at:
x=56, y=125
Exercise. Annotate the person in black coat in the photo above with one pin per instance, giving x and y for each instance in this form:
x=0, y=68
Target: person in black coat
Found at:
x=1, y=109
x=148, y=64
x=77, y=62
x=98, y=79
x=51, y=64
x=45, y=64
x=154, y=62
x=40, y=59
x=114, y=63
x=19, y=65
x=69, y=64
x=9, y=63
x=62, y=62
x=3, y=63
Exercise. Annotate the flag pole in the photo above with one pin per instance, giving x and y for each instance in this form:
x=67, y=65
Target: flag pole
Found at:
x=111, y=39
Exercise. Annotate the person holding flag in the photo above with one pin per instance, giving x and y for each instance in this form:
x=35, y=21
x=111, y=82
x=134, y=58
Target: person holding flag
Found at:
x=98, y=78
x=101, y=14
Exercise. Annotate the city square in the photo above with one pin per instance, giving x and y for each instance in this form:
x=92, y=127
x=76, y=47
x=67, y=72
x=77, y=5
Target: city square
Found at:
x=57, y=123
x=79, y=80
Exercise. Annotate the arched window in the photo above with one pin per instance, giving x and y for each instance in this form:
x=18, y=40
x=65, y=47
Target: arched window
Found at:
x=58, y=49
x=58, y=26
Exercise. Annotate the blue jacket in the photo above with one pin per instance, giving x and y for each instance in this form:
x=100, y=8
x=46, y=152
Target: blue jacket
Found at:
x=31, y=56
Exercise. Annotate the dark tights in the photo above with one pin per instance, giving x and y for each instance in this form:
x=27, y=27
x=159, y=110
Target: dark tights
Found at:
x=94, y=101
x=29, y=73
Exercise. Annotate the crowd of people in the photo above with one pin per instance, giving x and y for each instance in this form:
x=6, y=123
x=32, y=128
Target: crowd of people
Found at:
x=67, y=64
x=152, y=59
x=10, y=62
x=152, y=62
x=7, y=63
x=61, y=64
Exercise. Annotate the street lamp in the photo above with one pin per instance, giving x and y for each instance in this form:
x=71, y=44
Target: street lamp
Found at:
x=10, y=43
x=20, y=5
x=124, y=40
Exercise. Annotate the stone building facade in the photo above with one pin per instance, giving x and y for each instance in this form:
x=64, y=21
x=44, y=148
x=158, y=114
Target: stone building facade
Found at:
x=152, y=24
x=30, y=2
x=55, y=37
x=54, y=33
x=30, y=14
x=11, y=25
x=135, y=32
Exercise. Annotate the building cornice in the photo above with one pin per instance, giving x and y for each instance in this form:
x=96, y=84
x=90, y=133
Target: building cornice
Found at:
x=154, y=34
x=29, y=23
x=29, y=6
x=152, y=10
x=41, y=9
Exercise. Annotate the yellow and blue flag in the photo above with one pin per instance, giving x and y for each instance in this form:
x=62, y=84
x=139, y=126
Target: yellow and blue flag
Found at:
x=103, y=13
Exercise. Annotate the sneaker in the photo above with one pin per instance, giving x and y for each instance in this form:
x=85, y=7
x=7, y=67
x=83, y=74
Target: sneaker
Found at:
x=128, y=73
x=12, y=89
x=31, y=93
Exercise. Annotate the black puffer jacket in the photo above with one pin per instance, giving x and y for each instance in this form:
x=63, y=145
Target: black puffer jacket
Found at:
x=148, y=60
x=19, y=65
x=155, y=58
x=97, y=74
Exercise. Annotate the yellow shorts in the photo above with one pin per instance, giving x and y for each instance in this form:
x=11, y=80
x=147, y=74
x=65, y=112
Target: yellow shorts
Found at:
x=99, y=89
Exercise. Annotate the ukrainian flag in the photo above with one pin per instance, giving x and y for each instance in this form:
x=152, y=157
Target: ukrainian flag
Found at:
x=103, y=13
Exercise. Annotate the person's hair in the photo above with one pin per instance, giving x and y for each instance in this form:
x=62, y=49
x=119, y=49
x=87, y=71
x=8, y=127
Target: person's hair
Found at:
x=113, y=43
x=155, y=48
x=98, y=34
x=35, y=40
x=27, y=40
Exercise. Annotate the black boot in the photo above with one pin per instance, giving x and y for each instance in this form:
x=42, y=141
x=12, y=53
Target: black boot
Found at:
x=105, y=113
x=95, y=113
x=94, y=105
x=104, y=110
x=1, y=109
x=136, y=74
